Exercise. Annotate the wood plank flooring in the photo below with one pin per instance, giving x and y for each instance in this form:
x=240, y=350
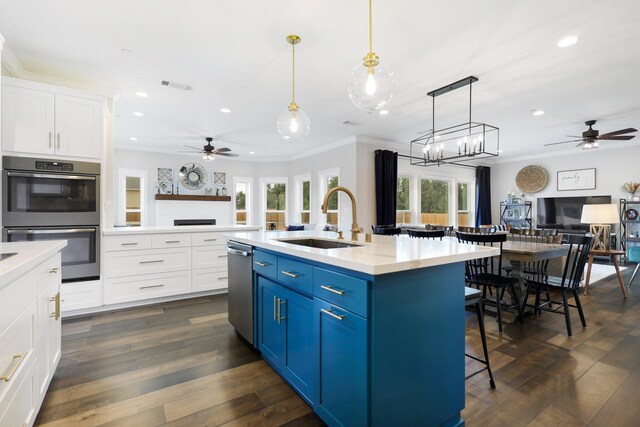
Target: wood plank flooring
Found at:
x=181, y=364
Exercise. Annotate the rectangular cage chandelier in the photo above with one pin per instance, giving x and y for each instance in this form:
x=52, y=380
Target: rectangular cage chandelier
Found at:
x=455, y=144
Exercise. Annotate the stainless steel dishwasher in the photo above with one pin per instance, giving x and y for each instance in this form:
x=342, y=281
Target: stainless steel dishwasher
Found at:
x=240, y=259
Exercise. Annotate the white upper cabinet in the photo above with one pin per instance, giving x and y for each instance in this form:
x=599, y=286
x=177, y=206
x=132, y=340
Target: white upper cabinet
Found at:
x=46, y=120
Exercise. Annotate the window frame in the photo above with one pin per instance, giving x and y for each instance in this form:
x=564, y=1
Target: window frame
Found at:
x=412, y=203
x=323, y=178
x=123, y=173
x=451, y=199
x=298, y=210
x=263, y=198
x=248, y=181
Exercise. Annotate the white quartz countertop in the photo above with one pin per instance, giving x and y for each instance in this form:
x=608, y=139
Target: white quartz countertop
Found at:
x=128, y=231
x=27, y=256
x=385, y=254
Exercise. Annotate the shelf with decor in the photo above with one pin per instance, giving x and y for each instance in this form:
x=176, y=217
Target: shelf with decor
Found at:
x=516, y=214
x=629, y=221
x=193, y=197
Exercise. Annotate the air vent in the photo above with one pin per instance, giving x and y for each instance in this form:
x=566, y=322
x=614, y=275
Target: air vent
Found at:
x=175, y=85
x=350, y=123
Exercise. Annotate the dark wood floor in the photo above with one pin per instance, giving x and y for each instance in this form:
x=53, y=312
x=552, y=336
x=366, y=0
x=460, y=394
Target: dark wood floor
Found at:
x=181, y=364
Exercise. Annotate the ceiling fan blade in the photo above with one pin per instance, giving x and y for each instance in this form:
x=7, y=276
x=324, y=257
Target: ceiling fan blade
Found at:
x=617, y=138
x=619, y=132
x=190, y=152
x=573, y=136
x=564, y=142
x=227, y=154
x=222, y=150
x=195, y=148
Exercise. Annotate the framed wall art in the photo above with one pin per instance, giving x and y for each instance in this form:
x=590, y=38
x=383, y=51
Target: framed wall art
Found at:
x=577, y=179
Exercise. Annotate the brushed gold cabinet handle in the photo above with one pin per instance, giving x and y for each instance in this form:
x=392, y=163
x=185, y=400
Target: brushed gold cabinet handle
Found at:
x=19, y=358
x=210, y=240
x=290, y=274
x=150, y=262
x=172, y=241
x=332, y=314
x=274, y=308
x=54, y=270
x=129, y=244
x=56, y=300
x=222, y=278
x=332, y=289
x=261, y=264
x=222, y=256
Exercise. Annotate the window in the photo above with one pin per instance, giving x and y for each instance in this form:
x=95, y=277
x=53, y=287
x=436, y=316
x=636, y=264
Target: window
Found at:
x=275, y=203
x=242, y=200
x=330, y=179
x=132, y=184
x=303, y=199
x=463, y=204
x=434, y=201
x=403, y=200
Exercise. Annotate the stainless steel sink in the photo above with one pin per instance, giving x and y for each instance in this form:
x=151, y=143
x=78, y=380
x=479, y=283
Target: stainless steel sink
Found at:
x=319, y=243
x=5, y=256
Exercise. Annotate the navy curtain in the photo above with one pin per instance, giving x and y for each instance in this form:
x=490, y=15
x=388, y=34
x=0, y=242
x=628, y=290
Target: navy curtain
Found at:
x=386, y=186
x=483, y=195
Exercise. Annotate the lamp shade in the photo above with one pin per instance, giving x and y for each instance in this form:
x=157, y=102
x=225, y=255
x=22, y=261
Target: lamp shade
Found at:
x=600, y=214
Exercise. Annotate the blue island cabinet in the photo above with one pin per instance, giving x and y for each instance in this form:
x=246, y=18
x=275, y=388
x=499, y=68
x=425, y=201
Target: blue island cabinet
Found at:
x=367, y=350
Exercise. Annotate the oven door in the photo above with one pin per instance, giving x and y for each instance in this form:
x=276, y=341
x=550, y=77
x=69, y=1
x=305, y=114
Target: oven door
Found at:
x=49, y=199
x=81, y=256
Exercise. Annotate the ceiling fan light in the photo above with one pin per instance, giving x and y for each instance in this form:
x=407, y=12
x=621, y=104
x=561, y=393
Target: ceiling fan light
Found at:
x=208, y=157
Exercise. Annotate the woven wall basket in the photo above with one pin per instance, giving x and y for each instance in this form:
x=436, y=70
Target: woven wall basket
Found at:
x=532, y=179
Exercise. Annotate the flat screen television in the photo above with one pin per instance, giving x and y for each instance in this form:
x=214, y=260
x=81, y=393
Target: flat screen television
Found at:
x=564, y=213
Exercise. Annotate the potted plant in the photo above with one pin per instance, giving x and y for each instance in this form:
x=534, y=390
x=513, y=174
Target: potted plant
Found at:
x=632, y=187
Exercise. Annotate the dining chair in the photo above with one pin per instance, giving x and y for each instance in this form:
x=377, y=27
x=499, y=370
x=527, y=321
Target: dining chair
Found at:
x=426, y=234
x=386, y=230
x=566, y=285
x=473, y=298
x=448, y=229
x=487, y=274
x=476, y=230
x=634, y=256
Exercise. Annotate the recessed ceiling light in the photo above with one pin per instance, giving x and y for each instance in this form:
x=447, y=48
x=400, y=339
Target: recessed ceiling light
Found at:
x=568, y=41
x=133, y=138
x=383, y=112
x=537, y=112
x=225, y=110
x=138, y=114
x=252, y=152
x=500, y=151
x=142, y=94
x=126, y=51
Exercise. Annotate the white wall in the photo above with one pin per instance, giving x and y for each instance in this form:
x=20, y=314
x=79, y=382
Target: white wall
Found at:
x=614, y=167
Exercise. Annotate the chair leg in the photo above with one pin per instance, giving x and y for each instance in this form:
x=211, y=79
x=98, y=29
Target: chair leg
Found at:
x=567, y=315
x=634, y=274
x=499, y=310
x=579, y=307
x=483, y=337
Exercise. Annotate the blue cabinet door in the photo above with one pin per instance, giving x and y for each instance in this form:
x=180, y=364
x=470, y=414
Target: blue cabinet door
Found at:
x=301, y=362
x=271, y=331
x=343, y=380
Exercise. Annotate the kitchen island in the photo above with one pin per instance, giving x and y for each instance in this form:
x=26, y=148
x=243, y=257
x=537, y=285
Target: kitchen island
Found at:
x=370, y=334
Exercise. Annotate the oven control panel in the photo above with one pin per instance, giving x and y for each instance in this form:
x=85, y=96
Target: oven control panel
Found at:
x=54, y=166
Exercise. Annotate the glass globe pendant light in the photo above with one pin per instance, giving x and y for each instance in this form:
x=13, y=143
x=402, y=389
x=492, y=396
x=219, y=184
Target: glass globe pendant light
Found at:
x=372, y=83
x=293, y=123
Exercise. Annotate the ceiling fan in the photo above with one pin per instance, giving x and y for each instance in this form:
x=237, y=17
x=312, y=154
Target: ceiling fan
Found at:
x=209, y=152
x=590, y=137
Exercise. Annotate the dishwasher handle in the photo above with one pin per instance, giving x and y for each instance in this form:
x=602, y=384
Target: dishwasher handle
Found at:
x=237, y=252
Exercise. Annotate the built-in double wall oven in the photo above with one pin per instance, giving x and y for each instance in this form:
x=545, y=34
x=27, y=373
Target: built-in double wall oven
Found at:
x=46, y=199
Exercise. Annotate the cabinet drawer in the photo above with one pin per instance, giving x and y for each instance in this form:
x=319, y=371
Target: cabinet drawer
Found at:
x=127, y=289
x=129, y=263
x=207, y=279
x=172, y=240
x=16, y=298
x=17, y=408
x=208, y=257
x=79, y=295
x=297, y=275
x=342, y=290
x=208, y=239
x=49, y=273
x=126, y=243
x=265, y=264
x=16, y=347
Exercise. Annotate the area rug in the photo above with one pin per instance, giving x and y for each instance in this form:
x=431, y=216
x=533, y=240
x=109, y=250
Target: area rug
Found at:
x=600, y=271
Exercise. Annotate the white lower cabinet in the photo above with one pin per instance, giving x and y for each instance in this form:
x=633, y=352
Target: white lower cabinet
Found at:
x=30, y=342
x=142, y=267
x=80, y=295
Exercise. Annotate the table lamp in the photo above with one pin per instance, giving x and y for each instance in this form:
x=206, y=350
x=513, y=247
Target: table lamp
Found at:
x=599, y=217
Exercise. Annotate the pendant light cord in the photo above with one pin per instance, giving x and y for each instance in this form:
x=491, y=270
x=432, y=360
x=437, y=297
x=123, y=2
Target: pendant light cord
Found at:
x=370, y=28
x=293, y=75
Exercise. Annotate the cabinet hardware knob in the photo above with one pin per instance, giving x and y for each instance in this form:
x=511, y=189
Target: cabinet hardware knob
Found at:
x=290, y=274
x=19, y=358
x=150, y=286
x=332, y=289
x=152, y=261
x=332, y=314
x=261, y=264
